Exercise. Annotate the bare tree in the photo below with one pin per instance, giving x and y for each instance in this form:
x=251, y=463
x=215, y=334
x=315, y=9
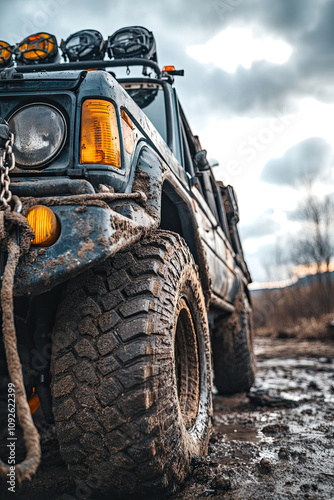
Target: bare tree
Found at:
x=315, y=244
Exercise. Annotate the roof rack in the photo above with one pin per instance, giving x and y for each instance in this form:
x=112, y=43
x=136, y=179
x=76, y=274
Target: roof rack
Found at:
x=138, y=61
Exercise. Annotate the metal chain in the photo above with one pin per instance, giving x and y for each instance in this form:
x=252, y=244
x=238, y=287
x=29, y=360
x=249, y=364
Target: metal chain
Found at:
x=7, y=163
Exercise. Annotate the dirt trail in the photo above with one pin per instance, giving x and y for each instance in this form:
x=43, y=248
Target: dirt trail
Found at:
x=277, y=444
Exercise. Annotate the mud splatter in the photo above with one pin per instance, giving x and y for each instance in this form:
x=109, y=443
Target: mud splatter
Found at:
x=86, y=247
x=141, y=182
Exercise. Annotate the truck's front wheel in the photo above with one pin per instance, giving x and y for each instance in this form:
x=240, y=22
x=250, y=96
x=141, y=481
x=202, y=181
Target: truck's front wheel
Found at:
x=131, y=369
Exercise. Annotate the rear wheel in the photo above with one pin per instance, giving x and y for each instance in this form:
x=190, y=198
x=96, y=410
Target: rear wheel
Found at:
x=131, y=369
x=233, y=350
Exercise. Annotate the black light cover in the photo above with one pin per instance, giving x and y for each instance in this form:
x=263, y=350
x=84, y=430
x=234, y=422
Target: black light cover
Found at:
x=133, y=41
x=84, y=45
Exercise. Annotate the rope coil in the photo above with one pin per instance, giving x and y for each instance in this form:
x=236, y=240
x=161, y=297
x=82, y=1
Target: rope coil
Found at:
x=13, y=224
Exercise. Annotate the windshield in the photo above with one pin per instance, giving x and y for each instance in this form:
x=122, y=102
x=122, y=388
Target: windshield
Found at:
x=150, y=98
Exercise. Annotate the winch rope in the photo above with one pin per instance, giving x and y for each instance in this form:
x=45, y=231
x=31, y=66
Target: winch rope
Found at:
x=15, y=236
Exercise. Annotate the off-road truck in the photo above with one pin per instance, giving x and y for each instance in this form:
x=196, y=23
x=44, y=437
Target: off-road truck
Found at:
x=136, y=281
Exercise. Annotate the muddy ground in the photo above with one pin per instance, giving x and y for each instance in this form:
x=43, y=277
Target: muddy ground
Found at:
x=275, y=443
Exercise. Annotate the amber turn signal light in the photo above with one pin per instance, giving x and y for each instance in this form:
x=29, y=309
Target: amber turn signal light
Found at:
x=99, y=134
x=45, y=225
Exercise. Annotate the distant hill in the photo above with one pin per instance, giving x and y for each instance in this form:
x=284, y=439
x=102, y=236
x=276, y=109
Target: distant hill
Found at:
x=301, y=282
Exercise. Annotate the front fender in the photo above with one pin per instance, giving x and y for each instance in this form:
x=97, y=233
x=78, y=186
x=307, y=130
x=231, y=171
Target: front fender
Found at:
x=148, y=178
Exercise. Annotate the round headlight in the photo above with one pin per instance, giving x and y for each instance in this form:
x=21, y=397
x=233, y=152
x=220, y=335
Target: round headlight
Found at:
x=39, y=134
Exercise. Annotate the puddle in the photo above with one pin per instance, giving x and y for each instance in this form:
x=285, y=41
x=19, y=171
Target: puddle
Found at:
x=295, y=397
x=240, y=433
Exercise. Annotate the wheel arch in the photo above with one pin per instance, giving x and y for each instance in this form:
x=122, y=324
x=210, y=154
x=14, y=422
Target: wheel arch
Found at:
x=177, y=215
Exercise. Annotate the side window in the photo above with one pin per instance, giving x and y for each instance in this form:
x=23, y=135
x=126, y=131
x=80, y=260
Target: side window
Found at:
x=209, y=194
x=150, y=98
x=221, y=208
x=187, y=159
x=177, y=135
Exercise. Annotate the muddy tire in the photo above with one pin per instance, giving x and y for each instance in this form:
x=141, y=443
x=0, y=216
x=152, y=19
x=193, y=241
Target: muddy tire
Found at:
x=131, y=369
x=233, y=349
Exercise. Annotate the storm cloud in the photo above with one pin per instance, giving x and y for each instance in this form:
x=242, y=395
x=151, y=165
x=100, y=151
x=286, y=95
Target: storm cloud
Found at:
x=305, y=24
x=263, y=225
x=307, y=161
x=308, y=27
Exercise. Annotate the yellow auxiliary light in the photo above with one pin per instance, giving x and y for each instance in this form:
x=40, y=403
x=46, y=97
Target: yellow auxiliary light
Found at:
x=41, y=47
x=5, y=54
x=45, y=225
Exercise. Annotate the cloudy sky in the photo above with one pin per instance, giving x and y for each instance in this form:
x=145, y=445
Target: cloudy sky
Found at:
x=258, y=89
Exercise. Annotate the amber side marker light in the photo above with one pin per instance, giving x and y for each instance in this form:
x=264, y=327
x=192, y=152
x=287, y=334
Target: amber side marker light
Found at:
x=172, y=71
x=100, y=142
x=45, y=225
x=168, y=68
x=128, y=134
x=33, y=402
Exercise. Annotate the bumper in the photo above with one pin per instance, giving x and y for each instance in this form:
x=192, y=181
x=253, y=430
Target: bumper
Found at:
x=88, y=235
